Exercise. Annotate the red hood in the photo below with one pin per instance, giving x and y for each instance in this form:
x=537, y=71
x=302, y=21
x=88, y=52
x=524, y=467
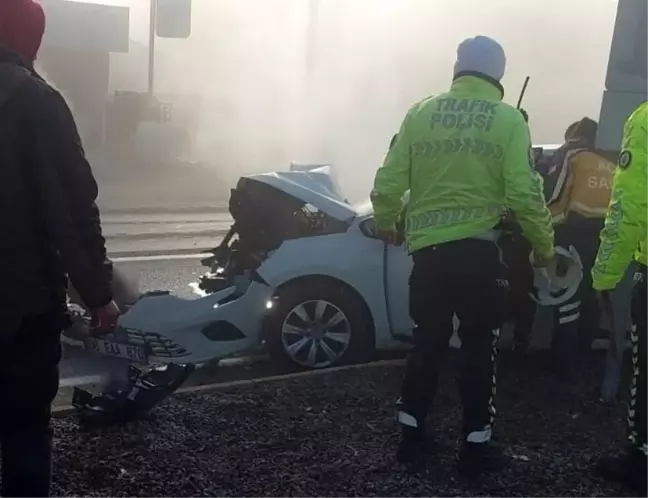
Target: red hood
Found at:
x=22, y=25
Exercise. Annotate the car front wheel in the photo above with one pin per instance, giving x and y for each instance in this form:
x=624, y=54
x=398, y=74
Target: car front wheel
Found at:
x=317, y=325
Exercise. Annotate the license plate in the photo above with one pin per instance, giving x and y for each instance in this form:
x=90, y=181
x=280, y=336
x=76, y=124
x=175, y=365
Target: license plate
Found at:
x=116, y=349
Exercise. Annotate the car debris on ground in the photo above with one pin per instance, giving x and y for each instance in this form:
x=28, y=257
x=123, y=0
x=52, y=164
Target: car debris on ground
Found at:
x=334, y=434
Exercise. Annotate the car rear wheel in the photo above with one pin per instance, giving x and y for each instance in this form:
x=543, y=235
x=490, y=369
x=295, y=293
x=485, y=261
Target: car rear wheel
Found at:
x=317, y=325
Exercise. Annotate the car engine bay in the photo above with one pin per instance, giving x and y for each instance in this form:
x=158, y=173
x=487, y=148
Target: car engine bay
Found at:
x=264, y=217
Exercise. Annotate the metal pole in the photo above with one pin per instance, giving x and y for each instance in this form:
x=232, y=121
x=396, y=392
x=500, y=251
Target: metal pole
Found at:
x=151, y=47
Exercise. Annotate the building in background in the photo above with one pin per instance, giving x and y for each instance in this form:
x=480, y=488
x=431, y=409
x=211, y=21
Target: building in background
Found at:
x=75, y=57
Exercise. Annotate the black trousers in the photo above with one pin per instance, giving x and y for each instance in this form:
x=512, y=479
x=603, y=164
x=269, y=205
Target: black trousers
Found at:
x=637, y=405
x=466, y=278
x=577, y=320
x=522, y=308
x=28, y=384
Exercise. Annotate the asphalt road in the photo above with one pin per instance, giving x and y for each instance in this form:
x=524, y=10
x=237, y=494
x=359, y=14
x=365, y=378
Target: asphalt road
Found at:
x=131, y=233
x=173, y=273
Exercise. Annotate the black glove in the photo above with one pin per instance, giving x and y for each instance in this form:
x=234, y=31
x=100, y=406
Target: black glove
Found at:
x=525, y=115
x=562, y=266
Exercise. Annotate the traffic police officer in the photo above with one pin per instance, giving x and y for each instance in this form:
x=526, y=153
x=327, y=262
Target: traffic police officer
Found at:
x=625, y=233
x=465, y=157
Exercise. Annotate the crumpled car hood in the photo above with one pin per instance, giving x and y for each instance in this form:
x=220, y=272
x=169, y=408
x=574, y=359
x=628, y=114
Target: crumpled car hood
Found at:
x=313, y=184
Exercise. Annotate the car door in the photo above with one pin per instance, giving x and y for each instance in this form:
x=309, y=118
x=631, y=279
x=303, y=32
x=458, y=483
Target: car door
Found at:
x=398, y=266
x=397, y=271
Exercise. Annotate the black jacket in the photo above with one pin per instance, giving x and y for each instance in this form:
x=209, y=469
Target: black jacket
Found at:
x=49, y=222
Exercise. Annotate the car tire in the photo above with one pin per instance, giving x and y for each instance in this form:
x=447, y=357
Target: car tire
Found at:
x=342, y=334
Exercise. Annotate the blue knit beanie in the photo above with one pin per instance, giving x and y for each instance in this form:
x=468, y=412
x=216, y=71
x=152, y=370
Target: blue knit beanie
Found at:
x=483, y=55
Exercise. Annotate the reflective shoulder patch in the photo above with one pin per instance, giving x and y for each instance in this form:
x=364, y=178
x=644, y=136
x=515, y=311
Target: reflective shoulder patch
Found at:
x=625, y=158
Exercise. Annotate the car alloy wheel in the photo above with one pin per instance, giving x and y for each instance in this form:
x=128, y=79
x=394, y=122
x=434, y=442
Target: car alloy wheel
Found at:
x=316, y=333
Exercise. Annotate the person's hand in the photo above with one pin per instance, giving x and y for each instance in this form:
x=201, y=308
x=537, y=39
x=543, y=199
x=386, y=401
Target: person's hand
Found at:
x=104, y=319
x=541, y=261
x=388, y=236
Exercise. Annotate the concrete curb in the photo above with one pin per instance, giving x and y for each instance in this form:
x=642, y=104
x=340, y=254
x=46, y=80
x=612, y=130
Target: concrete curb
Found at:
x=131, y=256
x=295, y=375
x=65, y=410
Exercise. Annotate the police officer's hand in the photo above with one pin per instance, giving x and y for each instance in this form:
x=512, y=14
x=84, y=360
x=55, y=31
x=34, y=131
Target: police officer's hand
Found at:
x=104, y=319
x=542, y=261
x=388, y=236
x=524, y=114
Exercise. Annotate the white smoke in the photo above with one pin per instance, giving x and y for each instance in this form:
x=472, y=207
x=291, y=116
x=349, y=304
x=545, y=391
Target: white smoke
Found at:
x=371, y=59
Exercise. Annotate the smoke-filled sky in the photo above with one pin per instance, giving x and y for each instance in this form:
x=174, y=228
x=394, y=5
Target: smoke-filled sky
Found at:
x=372, y=59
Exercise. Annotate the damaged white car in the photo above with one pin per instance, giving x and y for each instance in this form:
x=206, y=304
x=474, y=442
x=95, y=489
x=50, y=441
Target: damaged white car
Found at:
x=300, y=272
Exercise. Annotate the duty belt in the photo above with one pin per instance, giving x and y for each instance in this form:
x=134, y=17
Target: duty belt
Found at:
x=493, y=236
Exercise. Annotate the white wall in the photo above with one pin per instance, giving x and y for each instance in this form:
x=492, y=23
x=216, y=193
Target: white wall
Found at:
x=94, y=27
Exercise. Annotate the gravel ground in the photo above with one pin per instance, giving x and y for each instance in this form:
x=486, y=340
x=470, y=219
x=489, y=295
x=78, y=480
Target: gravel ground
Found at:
x=334, y=435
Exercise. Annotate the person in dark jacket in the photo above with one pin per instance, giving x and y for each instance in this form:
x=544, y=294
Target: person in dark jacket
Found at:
x=50, y=230
x=516, y=253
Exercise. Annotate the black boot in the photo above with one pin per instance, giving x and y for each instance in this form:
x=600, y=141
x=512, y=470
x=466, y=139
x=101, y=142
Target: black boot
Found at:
x=480, y=458
x=414, y=446
x=628, y=468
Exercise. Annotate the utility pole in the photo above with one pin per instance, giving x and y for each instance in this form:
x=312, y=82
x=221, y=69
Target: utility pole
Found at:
x=151, y=48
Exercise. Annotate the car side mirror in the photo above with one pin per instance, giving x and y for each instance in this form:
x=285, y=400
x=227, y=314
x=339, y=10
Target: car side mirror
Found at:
x=368, y=228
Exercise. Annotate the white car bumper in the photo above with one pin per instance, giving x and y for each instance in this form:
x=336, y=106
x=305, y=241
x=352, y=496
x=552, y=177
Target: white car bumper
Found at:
x=172, y=329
